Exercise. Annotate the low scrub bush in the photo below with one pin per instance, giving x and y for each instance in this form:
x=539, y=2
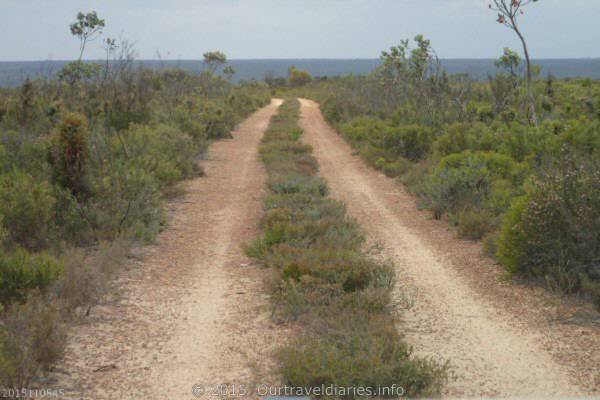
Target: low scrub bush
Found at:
x=459, y=137
x=397, y=168
x=32, y=337
x=247, y=97
x=340, y=108
x=24, y=153
x=21, y=272
x=473, y=188
x=162, y=151
x=127, y=200
x=359, y=351
x=412, y=142
x=554, y=231
x=474, y=224
x=27, y=208
x=86, y=275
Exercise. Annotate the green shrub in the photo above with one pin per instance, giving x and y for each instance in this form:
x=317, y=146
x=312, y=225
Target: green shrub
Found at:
x=347, y=269
x=501, y=193
x=163, y=151
x=188, y=121
x=217, y=122
x=28, y=210
x=581, y=136
x=467, y=181
x=21, y=272
x=459, y=137
x=337, y=109
x=520, y=141
x=511, y=244
x=490, y=243
x=555, y=230
x=491, y=163
x=473, y=224
x=25, y=154
x=412, y=141
x=298, y=184
x=363, y=129
x=73, y=224
x=121, y=117
x=248, y=97
x=126, y=199
x=480, y=111
x=358, y=351
x=397, y=168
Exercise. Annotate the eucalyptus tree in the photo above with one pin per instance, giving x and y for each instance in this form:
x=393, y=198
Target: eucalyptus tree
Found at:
x=509, y=12
x=87, y=28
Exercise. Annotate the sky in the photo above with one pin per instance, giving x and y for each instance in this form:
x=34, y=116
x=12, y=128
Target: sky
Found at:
x=246, y=29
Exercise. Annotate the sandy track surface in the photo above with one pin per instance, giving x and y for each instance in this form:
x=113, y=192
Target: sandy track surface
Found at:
x=192, y=309
x=496, y=344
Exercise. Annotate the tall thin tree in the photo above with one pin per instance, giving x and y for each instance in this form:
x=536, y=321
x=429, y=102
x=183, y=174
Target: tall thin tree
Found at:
x=509, y=12
x=87, y=28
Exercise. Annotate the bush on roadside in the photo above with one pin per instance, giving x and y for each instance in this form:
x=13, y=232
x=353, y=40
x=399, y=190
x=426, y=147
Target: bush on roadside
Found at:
x=21, y=272
x=472, y=188
x=126, y=200
x=397, y=168
x=554, y=232
x=162, y=151
x=32, y=337
x=412, y=142
x=86, y=276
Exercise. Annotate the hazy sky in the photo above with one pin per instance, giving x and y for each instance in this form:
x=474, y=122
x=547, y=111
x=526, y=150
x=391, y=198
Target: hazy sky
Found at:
x=184, y=29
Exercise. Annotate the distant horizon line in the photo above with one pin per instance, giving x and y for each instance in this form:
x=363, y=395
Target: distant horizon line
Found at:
x=294, y=59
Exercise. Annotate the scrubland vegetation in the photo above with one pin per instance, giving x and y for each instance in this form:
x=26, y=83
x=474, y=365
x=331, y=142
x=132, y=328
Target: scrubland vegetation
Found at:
x=88, y=159
x=328, y=285
x=519, y=172
x=86, y=162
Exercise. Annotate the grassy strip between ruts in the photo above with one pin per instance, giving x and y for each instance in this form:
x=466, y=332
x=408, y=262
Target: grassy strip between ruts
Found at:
x=326, y=284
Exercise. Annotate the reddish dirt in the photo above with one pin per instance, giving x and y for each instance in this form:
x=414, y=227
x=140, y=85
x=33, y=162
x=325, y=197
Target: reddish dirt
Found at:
x=192, y=309
x=502, y=339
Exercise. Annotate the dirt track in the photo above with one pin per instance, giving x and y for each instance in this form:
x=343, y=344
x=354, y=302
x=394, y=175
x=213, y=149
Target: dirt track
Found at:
x=192, y=310
x=460, y=313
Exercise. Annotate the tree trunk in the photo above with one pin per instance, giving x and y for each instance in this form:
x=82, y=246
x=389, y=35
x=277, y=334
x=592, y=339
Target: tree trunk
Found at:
x=530, y=97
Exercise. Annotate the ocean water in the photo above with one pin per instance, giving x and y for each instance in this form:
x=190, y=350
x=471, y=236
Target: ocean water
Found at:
x=14, y=73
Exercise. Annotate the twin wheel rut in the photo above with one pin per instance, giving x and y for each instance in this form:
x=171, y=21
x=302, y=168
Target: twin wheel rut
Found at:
x=193, y=311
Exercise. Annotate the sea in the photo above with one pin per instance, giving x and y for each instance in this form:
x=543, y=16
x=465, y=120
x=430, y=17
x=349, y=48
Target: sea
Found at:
x=13, y=73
